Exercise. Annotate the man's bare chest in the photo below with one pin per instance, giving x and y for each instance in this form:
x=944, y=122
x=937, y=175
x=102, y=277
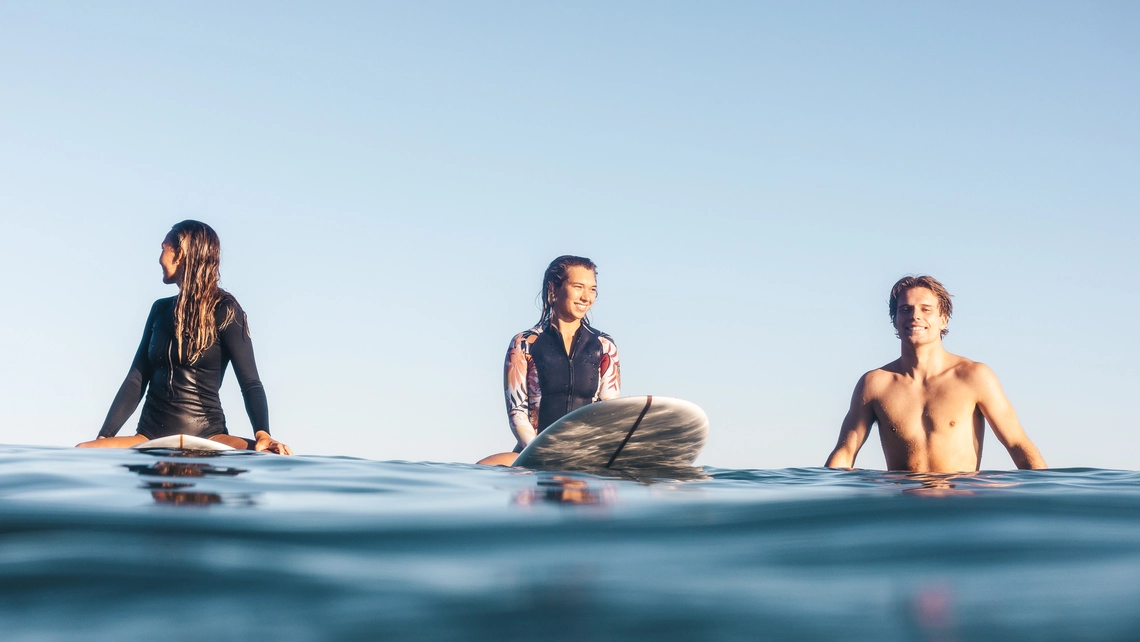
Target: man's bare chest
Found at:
x=907, y=408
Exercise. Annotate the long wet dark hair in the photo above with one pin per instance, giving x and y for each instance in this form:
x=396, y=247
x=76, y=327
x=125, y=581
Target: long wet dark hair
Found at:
x=195, y=327
x=553, y=279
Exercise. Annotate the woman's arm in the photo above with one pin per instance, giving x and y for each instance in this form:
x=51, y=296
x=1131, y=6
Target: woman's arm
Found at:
x=609, y=372
x=522, y=395
x=235, y=340
x=134, y=386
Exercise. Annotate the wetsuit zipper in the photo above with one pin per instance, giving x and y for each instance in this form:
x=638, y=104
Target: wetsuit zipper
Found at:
x=570, y=368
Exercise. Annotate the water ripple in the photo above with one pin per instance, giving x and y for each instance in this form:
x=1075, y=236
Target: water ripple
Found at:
x=131, y=545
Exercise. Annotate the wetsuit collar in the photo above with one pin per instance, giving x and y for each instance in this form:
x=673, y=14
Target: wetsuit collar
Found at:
x=549, y=325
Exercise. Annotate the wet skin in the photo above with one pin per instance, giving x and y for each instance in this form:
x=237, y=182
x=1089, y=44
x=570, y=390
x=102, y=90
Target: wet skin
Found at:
x=931, y=406
x=572, y=301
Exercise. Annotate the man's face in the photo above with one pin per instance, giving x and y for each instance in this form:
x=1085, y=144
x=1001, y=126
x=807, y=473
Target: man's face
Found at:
x=919, y=320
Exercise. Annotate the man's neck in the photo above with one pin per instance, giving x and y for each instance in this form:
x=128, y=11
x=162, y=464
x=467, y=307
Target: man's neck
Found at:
x=922, y=361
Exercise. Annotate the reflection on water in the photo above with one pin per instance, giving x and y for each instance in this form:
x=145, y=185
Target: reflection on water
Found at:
x=182, y=469
x=184, y=498
x=166, y=492
x=563, y=489
x=120, y=545
x=930, y=484
x=648, y=475
x=167, y=485
x=932, y=613
x=942, y=484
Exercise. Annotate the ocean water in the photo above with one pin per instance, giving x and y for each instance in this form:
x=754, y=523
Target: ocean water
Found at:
x=132, y=545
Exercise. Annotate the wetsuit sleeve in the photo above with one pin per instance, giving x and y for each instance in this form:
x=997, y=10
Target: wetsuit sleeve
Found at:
x=131, y=392
x=520, y=383
x=609, y=371
x=236, y=341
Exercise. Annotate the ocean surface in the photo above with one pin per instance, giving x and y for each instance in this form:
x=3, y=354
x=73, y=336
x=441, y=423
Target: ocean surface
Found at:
x=131, y=545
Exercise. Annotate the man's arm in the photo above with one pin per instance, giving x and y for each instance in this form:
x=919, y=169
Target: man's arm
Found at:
x=856, y=426
x=999, y=412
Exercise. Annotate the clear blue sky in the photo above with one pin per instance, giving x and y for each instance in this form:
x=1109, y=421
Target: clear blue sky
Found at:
x=390, y=180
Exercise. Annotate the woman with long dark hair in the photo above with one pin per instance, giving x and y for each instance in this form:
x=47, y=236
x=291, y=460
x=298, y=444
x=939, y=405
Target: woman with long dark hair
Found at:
x=562, y=363
x=188, y=341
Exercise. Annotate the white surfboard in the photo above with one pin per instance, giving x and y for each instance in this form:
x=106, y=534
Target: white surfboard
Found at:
x=183, y=442
x=626, y=433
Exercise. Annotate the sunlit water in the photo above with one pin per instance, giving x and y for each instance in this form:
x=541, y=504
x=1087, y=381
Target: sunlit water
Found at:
x=133, y=545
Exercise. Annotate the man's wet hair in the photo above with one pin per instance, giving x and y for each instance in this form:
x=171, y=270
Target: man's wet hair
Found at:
x=945, y=306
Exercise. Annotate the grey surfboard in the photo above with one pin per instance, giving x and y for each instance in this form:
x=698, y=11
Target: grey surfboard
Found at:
x=183, y=442
x=622, y=434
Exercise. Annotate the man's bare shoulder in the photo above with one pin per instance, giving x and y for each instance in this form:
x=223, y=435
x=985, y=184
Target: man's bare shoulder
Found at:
x=973, y=373
x=881, y=377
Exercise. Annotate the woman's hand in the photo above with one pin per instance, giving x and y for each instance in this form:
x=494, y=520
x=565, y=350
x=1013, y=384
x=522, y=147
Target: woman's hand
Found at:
x=266, y=443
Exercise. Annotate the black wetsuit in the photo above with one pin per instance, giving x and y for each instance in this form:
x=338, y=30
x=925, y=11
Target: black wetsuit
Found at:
x=183, y=398
x=569, y=381
x=543, y=382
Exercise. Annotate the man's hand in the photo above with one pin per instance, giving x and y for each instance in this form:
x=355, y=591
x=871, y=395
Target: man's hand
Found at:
x=266, y=443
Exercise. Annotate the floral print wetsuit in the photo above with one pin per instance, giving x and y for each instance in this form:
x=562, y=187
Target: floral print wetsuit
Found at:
x=542, y=382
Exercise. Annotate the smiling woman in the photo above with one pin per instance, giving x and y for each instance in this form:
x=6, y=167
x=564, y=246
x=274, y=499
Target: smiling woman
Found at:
x=561, y=364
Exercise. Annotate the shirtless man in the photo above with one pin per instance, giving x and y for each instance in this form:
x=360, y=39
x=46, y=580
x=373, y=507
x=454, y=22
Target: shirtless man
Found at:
x=931, y=406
